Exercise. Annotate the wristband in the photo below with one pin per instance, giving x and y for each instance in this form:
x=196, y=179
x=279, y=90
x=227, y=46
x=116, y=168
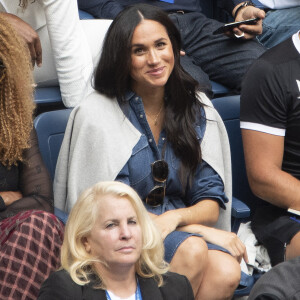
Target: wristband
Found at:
x=2, y=204
x=246, y=3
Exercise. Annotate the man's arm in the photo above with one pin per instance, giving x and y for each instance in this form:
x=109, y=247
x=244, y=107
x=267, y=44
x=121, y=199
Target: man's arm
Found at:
x=263, y=156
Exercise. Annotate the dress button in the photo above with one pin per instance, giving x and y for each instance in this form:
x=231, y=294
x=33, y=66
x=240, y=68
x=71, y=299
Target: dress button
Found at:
x=163, y=138
x=150, y=140
x=141, y=116
x=136, y=98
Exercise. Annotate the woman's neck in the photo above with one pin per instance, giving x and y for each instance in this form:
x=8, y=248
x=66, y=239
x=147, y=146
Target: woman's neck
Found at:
x=152, y=99
x=121, y=282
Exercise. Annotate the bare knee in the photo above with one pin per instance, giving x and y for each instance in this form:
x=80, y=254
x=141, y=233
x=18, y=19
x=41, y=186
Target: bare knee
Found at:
x=228, y=273
x=192, y=254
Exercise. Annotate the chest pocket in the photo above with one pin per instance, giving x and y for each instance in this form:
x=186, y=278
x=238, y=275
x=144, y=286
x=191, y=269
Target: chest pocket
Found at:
x=139, y=162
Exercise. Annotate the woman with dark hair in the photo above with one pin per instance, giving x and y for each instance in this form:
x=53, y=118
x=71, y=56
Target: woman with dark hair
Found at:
x=30, y=235
x=144, y=127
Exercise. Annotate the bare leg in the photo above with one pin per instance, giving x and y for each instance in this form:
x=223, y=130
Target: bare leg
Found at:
x=190, y=260
x=214, y=275
x=221, y=277
x=293, y=248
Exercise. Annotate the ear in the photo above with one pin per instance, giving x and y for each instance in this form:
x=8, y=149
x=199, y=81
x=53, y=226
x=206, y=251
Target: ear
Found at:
x=86, y=244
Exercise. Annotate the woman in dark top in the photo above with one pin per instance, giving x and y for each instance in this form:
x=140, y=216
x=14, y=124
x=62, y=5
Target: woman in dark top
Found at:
x=112, y=250
x=30, y=235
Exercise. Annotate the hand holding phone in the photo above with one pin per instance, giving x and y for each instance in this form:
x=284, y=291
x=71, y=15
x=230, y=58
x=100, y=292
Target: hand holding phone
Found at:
x=230, y=26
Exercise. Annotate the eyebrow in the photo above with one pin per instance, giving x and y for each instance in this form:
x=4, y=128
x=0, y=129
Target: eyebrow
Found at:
x=141, y=45
x=117, y=220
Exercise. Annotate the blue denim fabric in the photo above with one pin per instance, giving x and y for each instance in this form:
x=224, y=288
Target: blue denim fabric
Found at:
x=279, y=25
x=137, y=171
x=175, y=238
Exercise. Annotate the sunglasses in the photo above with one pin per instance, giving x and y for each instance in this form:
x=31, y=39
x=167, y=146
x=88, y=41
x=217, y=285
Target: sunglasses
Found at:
x=160, y=172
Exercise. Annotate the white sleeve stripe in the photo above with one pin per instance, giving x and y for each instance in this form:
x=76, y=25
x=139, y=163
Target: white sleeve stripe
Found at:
x=262, y=128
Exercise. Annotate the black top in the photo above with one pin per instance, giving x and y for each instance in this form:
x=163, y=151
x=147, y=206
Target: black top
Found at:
x=60, y=286
x=31, y=178
x=270, y=100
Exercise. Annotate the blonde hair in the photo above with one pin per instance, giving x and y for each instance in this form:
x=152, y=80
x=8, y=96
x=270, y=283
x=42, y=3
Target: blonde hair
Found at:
x=16, y=95
x=79, y=263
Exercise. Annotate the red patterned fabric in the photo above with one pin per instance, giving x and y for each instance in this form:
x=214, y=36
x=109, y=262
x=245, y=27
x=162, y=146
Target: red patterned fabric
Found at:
x=29, y=250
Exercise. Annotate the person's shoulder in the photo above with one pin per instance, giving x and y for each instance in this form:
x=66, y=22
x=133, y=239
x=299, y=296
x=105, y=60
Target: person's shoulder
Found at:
x=276, y=57
x=60, y=275
x=176, y=286
x=59, y=285
x=281, y=53
x=171, y=277
x=96, y=103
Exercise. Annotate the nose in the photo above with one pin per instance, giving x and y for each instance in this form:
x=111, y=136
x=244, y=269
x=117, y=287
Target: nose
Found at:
x=153, y=57
x=125, y=233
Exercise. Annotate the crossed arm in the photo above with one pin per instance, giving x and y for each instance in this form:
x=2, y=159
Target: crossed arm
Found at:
x=35, y=187
x=199, y=219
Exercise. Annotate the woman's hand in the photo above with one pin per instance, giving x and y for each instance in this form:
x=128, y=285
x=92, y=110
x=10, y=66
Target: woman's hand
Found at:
x=10, y=197
x=225, y=239
x=167, y=222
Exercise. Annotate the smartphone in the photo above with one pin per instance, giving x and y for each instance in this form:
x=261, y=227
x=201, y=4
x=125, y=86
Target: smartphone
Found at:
x=229, y=26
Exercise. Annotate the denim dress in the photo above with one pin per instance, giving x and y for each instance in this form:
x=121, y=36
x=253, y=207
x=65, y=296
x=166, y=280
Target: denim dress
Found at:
x=137, y=172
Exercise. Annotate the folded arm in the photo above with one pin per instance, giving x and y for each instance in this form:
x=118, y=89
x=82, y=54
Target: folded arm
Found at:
x=35, y=187
x=205, y=212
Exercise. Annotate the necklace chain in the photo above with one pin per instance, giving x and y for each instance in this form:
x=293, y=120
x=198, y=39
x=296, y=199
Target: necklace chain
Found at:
x=155, y=117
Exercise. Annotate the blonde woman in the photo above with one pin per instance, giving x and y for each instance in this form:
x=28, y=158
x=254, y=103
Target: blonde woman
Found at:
x=30, y=235
x=112, y=250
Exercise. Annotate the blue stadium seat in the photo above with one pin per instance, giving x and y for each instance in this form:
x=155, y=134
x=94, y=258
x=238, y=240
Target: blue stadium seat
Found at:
x=50, y=127
x=242, y=210
x=47, y=95
x=83, y=15
x=229, y=110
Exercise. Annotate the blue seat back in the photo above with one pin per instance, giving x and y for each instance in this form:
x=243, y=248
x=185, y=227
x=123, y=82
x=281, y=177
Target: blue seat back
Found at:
x=50, y=127
x=229, y=110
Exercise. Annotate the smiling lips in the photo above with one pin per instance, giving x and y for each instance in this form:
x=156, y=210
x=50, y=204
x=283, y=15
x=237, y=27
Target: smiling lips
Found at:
x=156, y=71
